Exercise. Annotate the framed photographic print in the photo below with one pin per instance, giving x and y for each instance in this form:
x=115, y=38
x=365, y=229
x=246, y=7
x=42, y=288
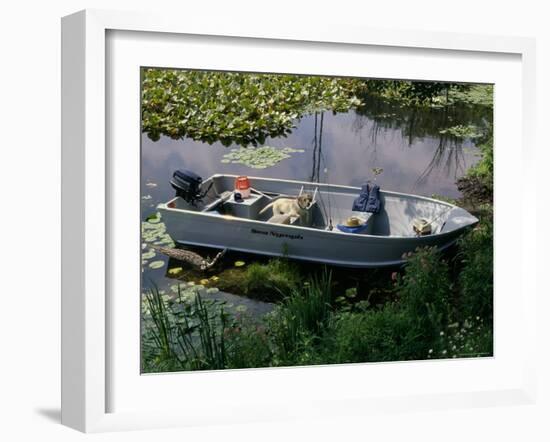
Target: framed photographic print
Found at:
x=290, y=223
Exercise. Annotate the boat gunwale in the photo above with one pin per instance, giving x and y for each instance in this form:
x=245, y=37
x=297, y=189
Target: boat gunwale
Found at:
x=390, y=192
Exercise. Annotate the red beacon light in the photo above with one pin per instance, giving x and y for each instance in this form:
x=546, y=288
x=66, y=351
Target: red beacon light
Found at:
x=242, y=185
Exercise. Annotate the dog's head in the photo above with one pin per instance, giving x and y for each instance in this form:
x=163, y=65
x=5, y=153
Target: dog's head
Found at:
x=305, y=200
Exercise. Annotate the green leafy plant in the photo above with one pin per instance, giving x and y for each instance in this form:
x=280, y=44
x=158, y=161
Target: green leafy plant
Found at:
x=476, y=276
x=424, y=293
x=248, y=344
x=460, y=131
x=259, y=158
x=232, y=107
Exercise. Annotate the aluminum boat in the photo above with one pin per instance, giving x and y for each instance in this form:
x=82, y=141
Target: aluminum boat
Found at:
x=216, y=219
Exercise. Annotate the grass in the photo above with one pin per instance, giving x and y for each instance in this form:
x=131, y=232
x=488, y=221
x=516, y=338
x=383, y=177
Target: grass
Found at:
x=183, y=334
x=266, y=281
x=301, y=319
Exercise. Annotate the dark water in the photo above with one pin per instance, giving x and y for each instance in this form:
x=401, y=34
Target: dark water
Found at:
x=338, y=148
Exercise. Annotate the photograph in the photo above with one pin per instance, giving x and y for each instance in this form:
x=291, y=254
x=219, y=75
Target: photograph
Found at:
x=301, y=220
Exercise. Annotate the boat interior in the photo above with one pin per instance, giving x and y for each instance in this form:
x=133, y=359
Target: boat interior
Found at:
x=330, y=206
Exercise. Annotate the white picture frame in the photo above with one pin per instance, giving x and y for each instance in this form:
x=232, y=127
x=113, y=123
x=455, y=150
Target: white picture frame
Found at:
x=86, y=212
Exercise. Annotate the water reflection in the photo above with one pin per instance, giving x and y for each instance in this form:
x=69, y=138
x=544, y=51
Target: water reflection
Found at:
x=317, y=149
x=341, y=148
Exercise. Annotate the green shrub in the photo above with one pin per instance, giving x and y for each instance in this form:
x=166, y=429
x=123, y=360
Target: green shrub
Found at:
x=477, y=184
x=375, y=335
x=424, y=290
x=247, y=344
x=476, y=276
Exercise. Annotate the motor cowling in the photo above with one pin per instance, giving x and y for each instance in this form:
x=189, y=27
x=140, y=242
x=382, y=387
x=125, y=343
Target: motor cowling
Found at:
x=187, y=185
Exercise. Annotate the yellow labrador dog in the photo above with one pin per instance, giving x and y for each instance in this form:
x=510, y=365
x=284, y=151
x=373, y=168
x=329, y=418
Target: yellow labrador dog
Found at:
x=290, y=207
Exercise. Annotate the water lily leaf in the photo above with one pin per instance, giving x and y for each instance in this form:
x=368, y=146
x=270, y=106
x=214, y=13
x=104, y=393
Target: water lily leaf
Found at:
x=232, y=107
x=204, y=281
x=239, y=263
x=156, y=264
x=175, y=270
x=148, y=255
x=259, y=158
x=241, y=308
x=212, y=290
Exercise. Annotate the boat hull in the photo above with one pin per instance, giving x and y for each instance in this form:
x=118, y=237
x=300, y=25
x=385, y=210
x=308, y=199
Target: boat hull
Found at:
x=305, y=244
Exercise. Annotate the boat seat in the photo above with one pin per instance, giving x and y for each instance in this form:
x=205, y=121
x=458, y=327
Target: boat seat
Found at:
x=214, y=204
x=363, y=216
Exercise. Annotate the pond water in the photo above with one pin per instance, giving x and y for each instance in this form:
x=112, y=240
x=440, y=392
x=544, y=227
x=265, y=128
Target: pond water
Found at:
x=404, y=145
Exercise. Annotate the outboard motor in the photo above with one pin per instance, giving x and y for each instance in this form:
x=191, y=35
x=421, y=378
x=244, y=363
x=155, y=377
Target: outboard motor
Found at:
x=187, y=185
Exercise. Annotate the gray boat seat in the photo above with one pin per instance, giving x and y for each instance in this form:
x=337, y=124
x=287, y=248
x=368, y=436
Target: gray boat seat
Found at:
x=363, y=216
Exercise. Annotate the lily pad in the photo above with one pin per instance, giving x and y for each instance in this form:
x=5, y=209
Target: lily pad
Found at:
x=175, y=270
x=239, y=263
x=156, y=264
x=260, y=157
x=148, y=255
x=460, y=131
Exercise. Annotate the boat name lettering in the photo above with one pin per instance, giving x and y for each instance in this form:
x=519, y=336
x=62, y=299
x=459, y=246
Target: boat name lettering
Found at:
x=276, y=234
